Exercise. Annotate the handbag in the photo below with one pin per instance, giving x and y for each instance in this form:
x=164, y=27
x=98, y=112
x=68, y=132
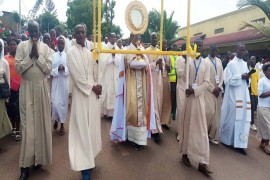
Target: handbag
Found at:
x=4, y=88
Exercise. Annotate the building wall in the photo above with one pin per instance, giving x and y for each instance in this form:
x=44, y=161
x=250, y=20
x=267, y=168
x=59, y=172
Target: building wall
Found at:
x=231, y=22
x=9, y=23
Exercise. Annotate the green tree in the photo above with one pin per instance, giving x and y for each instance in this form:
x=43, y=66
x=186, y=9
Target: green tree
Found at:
x=170, y=27
x=80, y=11
x=47, y=21
x=108, y=16
x=153, y=25
x=265, y=7
x=16, y=18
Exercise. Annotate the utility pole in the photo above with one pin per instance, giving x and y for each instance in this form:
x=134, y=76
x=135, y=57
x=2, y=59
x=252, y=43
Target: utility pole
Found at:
x=20, y=11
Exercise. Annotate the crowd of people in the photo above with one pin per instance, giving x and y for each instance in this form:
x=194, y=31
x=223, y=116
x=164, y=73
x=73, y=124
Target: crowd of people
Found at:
x=214, y=101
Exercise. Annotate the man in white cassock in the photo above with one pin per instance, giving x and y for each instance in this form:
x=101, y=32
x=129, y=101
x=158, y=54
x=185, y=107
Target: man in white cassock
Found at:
x=213, y=96
x=157, y=66
x=180, y=86
x=60, y=86
x=193, y=136
x=236, y=106
x=108, y=76
x=33, y=62
x=84, y=129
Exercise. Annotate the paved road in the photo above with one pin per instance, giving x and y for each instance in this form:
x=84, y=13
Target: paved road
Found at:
x=154, y=162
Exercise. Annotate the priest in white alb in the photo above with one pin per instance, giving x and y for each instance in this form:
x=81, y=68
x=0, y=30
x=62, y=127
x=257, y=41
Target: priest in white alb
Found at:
x=157, y=66
x=236, y=106
x=108, y=76
x=84, y=141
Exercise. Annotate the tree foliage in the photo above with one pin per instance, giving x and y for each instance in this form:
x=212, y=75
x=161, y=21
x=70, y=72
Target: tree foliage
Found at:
x=80, y=11
x=108, y=16
x=16, y=18
x=264, y=5
x=264, y=29
x=170, y=27
x=47, y=21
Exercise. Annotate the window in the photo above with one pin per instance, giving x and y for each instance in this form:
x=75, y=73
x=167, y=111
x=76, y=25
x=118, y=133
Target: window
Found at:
x=220, y=30
x=261, y=20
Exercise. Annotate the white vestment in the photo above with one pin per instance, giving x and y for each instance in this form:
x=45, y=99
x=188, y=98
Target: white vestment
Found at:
x=120, y=130
x=236, y=106
x=67, y=44
x=84, y=128
x=108, y=77
x=60, y=87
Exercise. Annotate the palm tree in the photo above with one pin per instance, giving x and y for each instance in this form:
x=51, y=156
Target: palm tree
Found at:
x=170, y=28
x=265, y=7
x=260, y=27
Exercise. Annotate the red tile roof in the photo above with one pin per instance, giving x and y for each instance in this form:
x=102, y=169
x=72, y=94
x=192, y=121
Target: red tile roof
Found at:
x=241, y=36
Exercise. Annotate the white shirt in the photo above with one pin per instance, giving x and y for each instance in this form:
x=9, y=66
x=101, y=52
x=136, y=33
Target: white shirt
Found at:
x=263, y=87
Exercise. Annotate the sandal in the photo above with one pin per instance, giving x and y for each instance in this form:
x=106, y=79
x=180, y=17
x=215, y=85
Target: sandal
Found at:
x=13, y=132
x=18, y=136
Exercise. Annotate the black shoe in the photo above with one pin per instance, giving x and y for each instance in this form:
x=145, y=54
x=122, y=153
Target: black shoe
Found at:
x=241, y=150
x=37, y=167
x=137, y=146
x=204, y=169
x=185, y=160
x=165, y=126
x=24, y=173
x=156, y=138
x=55, y=125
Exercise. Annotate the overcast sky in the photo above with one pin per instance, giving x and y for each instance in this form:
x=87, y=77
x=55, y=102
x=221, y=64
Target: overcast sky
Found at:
x=200, y=9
